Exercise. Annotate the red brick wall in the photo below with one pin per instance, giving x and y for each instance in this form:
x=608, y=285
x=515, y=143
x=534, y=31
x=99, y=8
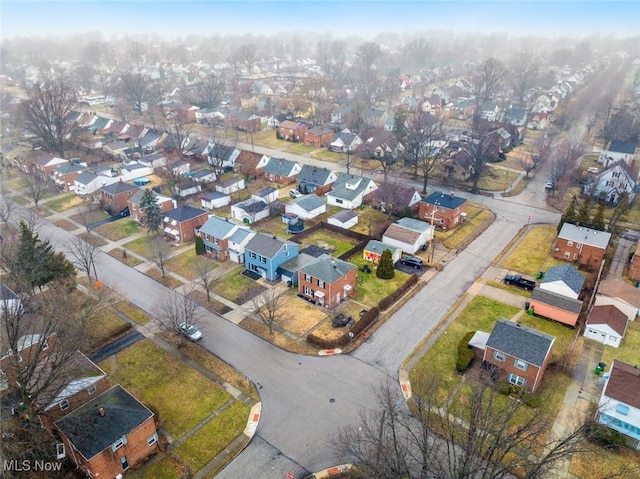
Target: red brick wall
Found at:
x=330, y=290
x=318, y=141
x=587, y=255
x=444, y=218
x=507, y=367
x=187, y=228
x=634, y=267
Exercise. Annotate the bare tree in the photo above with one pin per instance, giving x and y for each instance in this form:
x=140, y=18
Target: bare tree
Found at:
x=177, y=312
x=204, y=269
x=491, y=72
x=87, y=214
x=178, y=138
x=159, y=250
x=136, y=89
x=481, y=150
x=209, y=91
x=524, y=70
x=37, y=188
x=83, y=256
x=246, y=55
x=482, y=437
x=46, y=113
x=368, y=55
x=538, y=156
x=6, y=207
x=220, y=147
x=268, y=306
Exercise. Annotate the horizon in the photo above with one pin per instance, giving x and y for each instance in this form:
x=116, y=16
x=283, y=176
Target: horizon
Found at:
x=174, y=19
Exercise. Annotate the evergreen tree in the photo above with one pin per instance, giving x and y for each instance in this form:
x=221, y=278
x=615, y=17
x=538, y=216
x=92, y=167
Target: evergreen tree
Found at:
x=569, y=215
x=151, y=216
x=598, y=220
x=620, y=212
x=400, y=120
x=385, y=267
x=582, y=217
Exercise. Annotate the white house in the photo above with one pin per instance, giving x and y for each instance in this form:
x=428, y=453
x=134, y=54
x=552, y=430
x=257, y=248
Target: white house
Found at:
x=606, y=324
x=349, y=191
x=215, y=200
x=564, y=280
x=612, y=182
x=250, y=211
x=268, y=194
x=408, y=234
x=619, y=405
x=9, y=301
x=618, y=150
x=346, y=219
x=230, y=185
x=345, y=141
x=306, y=207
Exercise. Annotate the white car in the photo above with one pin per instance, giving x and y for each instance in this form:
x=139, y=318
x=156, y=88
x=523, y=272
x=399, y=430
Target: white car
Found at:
x=190, y=331
x=295, y=194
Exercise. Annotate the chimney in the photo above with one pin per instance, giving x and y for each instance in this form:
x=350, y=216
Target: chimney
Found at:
x=452, y=195
x=102, y=412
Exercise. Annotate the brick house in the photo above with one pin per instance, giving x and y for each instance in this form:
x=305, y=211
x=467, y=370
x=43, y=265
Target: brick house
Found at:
x=319, y=136
x=46, y=164
x=32, y=348
x=181, y=224
x=243, y=121
x=115, y=197
x=137, y=214
x=519, y=354
x=581, y=245
x=312, y=179
x=448, y=210
x=66, y=173
x=222, y=239
x=292, y=130
x=281, y=171
x=109, y=434
x=247, y=163
x=634, y=266
x=327, y=281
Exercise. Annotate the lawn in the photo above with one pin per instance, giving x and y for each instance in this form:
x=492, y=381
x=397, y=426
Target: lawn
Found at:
x=479, y=315
x=88, y=217
x=122, y=256
x=336, y=243
x=181, y=396
x=300, y=148
x=140, y=246
x=65, y=224
x=185, y=264
x=598, y=462
x=533, y=251
x=235, y=287
x=369, y=288
x=132, y=312
x=299, y=316
x=106, y=327
x=564, y=335
x=629, y=350
x=21, y=200
x=476, y=215
x=64, y=202
x=119, y=229
x=374, y=220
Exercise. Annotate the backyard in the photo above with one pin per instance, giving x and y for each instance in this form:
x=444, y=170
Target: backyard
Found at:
x=236, y=287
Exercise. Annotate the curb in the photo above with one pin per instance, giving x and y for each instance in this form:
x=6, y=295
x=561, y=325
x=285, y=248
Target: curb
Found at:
x=332, y=471
x=329, y=352
x=254, y=419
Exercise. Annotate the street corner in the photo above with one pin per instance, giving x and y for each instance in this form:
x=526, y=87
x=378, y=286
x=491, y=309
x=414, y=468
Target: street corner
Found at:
x=329, y=352
x=254, y=419
x=405, y=385
x=331, y=471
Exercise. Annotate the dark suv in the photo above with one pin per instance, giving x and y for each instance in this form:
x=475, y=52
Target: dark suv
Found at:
x=412, y=261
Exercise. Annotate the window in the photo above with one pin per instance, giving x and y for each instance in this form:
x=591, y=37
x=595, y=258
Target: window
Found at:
x=252, y=255
x=569, y=243
x=339, y=201
x=60, y=451
x=500, y=356
x=575, y=256
x=567, y=255
x=124, y=462
x=515, y=379
x=152, y=439
x=119, y=443
x=520, y=364
x=215, y=240
x=320, y=283
x=64, y=404
x=91, y=389
x=578, y=245
x=307, y=291
x=263, y=260
x=622, y=409
x=307, y=278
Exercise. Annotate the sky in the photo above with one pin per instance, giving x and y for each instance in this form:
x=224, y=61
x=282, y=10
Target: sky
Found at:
x=174, y=18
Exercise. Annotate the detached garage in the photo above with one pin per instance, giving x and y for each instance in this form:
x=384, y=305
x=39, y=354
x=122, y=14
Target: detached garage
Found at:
x=555, y=306
x=607, y=325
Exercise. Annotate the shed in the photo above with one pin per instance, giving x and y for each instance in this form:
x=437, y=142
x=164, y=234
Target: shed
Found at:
x=344, y=219
x=606, y=324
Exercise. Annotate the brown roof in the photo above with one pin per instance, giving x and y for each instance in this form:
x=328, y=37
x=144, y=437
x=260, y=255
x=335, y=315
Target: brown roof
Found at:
x=610, y=315
x=624, y=383
x=402, y=234
x=617, y=288
x=248, y=159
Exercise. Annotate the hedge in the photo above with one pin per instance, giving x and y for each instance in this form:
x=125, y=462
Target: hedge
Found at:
x=389, y=300
x=604, y=436
x=465, y=353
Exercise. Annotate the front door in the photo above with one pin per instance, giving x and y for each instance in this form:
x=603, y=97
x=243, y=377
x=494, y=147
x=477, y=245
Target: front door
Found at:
x=124, y=462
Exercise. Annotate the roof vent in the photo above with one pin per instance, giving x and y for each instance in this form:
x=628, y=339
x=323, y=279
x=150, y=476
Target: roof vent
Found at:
x=102, y=412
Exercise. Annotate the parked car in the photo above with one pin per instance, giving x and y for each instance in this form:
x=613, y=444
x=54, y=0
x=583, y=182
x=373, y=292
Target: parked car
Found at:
x=340, y=321
x=549, y=185
x=190, y=331
x=412, y=261
x=518, y=280
x=295, y=194
x=125, y=212
x=593, y=169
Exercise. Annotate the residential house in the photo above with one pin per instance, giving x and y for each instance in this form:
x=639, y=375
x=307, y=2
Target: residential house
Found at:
x=346, y=219
x=250, y=211
x=115, y=197
x=350, y=191
x=178, y=168
x=292, y=130
x=564, y=280
x=151, y=140
x=188, y=188
x=555, y=306
x=538, y=121
x=319, y=136
x=243, y=121
x=9, y=301
x=109, y=434
x=221, y=156
x=204, y=176
x=374, y=248
x=116, y=149
x=66, y=173
x=611, y=183
x=581, y=245
x=444, y=210
x=265, y=253
x=606, y=324
x=268, y=194
x=137, y=213
x=327, y=281
x=620, y=294
x=519, y=354
x=618, y=150
x=460, y=159
x=135, y=169
x=395, y=199
x=31, y=348
x=181, y=223
x=216, y=234
x=306, y=207
x=502, y=139
x=312, y=179
x=634, y=265
x=489, y=111
x=215, y=200
x=408, y=234
x=46, y=164
x=281, y=171
x=345, y=142
x=289, y=270
x=619, y=405
x=247, y=163
x=230, y=185
x=462, y=110
x=153, y=160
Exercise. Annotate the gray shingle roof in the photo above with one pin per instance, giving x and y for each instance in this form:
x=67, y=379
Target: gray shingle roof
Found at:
x=215, y=195
x=344, y=215
x=217, y=227
x=313, y=175
x=520, y=342
x=580, y=234
x=327, y=269
x=184, y=213
x=297, y=262
x=265, y=245
x=92, y=433
x=309, y=202
x=622, y=147
x=279, y=167
x=349, y=187
x=557, y=300
x=443, y=200
x=118, y=187
x=378, y=247
x=6, y=294
x=566, y=273
x=252, y=205
x=412, y=224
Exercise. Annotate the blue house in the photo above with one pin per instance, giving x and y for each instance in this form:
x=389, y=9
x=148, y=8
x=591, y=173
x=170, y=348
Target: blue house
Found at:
x=264, y=254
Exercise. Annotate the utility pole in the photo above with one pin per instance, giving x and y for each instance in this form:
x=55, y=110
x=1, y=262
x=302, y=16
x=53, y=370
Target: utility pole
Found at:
x=432, y=236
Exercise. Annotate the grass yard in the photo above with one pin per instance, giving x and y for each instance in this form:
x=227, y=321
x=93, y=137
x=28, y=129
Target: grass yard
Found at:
x=140, y=246
x=257, y=327
x=629, y=350
x=272, y=226
x=564, y=335
x=119, y=229
x=533, y=251
x=235, y=287
x=185, y=264
x=64, y=202
x=122, y=256
x=212, y=305
x=267, y=138
x=92, y=239
x=181, y=396
x=300, y=148
x=334, y=242
x=327, y=155
x=168, y=280
x=17, y=183
x=479, y=315
x=298, y=315
x=374, y=219
x=134, y=313
x=476, y=215
x=369, y=288
x=106, y=327
x=598, y=462
x=65, y=224
x=21, y=200
x=88, y=217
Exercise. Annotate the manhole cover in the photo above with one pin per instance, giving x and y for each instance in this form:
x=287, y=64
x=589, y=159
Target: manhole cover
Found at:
x=331, y=400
